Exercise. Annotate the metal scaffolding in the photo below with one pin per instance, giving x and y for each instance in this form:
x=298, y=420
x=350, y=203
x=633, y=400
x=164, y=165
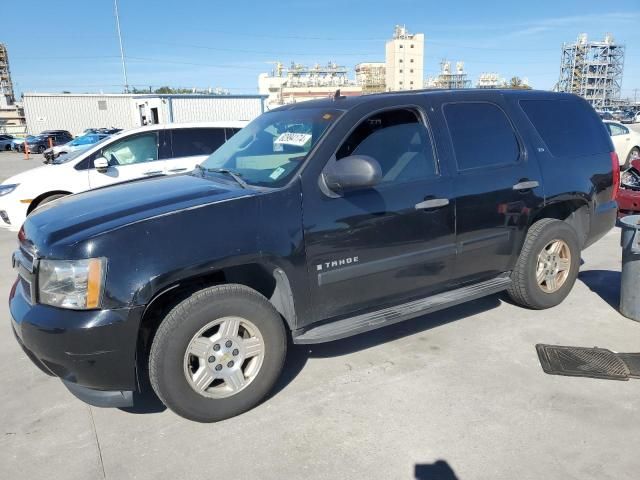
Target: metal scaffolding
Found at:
x=592, y=70
x=447, y=78
x=6, y=87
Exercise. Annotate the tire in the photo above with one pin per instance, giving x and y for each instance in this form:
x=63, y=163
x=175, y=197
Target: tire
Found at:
x=48, y=199
x=41, y=149
x=634, y=153
x=526, y=289
x=172, y=369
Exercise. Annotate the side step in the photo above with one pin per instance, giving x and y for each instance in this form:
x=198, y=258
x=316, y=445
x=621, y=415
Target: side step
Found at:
x=388, y=316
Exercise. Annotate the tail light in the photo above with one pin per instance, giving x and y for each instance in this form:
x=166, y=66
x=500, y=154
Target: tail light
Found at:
x=615, y=164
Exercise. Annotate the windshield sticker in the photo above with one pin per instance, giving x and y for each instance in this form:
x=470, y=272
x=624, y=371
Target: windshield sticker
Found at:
x=276, y=173
x=295, y=139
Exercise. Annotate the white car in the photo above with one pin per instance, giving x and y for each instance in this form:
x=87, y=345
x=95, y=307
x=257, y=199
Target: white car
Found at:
x=146, y=151
x=625, y=141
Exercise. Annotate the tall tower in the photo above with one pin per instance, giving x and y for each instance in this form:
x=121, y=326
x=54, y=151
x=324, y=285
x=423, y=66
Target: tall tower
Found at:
x=404, y=60
x=592, y=70
x=6, y=86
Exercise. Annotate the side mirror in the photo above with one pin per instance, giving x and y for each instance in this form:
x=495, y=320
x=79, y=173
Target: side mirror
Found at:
x=101, y=164
x=352, y=173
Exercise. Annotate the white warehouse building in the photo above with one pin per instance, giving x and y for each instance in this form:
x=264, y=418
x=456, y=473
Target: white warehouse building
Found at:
x=77, y=112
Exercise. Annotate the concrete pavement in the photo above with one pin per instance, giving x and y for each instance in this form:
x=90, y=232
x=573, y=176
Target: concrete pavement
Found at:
x=462, y=386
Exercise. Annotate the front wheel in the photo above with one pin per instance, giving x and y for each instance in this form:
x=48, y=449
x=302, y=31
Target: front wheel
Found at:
x=548, y=265
x=217, y=353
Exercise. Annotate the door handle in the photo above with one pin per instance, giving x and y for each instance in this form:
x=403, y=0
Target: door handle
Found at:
x=153, y=172
x=526, y=185
x=178, y=169
x=432, y=203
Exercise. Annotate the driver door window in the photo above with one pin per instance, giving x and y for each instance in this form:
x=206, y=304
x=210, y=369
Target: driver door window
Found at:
x=132, y=157
x=400, y=143
x=138, y=149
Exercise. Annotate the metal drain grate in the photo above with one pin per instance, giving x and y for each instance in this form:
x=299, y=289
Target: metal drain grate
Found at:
x=588, y=362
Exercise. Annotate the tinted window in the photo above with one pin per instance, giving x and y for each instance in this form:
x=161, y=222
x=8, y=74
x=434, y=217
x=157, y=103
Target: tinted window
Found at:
x=186, y=142
x=398, y=140
x=481, y=134
x=568, y=127
x=135, y=149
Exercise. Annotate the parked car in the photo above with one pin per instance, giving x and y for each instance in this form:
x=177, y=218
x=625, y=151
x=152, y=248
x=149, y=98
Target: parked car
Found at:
x=18, y=141
x=40, y=143
x=625, y=141
x=629, y=195
x=318, y=221
x=605, y=115
x=628, y=116
x=108, y=131
x=5, y=141
x=146, y=151
x=79, y=143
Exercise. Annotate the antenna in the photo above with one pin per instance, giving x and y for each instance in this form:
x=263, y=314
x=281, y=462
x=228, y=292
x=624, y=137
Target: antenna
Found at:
x=124, y=67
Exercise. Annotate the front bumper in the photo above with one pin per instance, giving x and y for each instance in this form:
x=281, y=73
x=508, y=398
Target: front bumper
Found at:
x=628, y=201
x=12, y=212
x=92, y=351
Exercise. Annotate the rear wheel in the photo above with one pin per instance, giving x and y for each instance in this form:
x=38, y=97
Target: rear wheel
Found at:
x=217, y=353
x=41, y=149
x=548, y=265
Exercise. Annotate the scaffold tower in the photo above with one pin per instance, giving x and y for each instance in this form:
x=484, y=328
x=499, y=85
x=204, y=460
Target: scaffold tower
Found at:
x=592, y=70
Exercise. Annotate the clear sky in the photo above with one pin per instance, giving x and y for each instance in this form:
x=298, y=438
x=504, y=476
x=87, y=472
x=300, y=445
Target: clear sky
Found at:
x=72, y=45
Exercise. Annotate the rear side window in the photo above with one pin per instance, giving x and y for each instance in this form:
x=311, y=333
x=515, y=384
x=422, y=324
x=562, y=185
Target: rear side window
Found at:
x=481, y=134
x=616, y=129
x=569, y=128
x=188, y=142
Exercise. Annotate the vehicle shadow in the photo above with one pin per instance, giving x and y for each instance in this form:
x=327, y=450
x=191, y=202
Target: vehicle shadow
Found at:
x=298, y=355
x=604, y=283
x=439, y=470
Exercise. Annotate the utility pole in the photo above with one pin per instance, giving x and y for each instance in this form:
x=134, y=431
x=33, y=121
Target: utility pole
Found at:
x=124, y=67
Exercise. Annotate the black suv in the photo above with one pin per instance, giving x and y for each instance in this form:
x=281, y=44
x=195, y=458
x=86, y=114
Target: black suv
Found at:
x=317, y=221
x=46, y=139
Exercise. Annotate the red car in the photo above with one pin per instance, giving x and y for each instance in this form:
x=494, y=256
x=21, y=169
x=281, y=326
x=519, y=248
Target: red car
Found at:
x=629, y=194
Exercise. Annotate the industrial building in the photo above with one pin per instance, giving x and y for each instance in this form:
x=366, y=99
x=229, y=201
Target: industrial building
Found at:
x=490, y=80
x=300, y=82
x=76, y=112
x=448, y=78
x=7, y=96
x=404, y=60
x=592, y=70
x=11, y=116
x=371, y=76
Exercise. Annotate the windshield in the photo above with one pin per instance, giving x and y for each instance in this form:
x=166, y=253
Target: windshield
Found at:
x=269, y=150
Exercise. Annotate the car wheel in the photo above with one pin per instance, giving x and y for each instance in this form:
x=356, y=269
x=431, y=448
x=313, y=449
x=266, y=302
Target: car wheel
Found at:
x=634, y=154
x=548, y=265
x=41, y=149
x=48, y=199
x=217, y=353
x=7, y=148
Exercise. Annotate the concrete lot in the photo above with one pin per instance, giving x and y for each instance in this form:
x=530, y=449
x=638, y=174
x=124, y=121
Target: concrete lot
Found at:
x=463, y=386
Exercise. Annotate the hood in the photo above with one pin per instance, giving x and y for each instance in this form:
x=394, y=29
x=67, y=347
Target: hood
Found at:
x=39, y=175
x=79, y=217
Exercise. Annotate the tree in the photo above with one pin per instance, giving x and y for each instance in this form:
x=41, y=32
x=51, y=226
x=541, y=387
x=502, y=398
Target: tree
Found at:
x=517, y=83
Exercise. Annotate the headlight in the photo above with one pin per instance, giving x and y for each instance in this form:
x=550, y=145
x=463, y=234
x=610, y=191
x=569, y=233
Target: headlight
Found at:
x=75, y=284
x=6, y=189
